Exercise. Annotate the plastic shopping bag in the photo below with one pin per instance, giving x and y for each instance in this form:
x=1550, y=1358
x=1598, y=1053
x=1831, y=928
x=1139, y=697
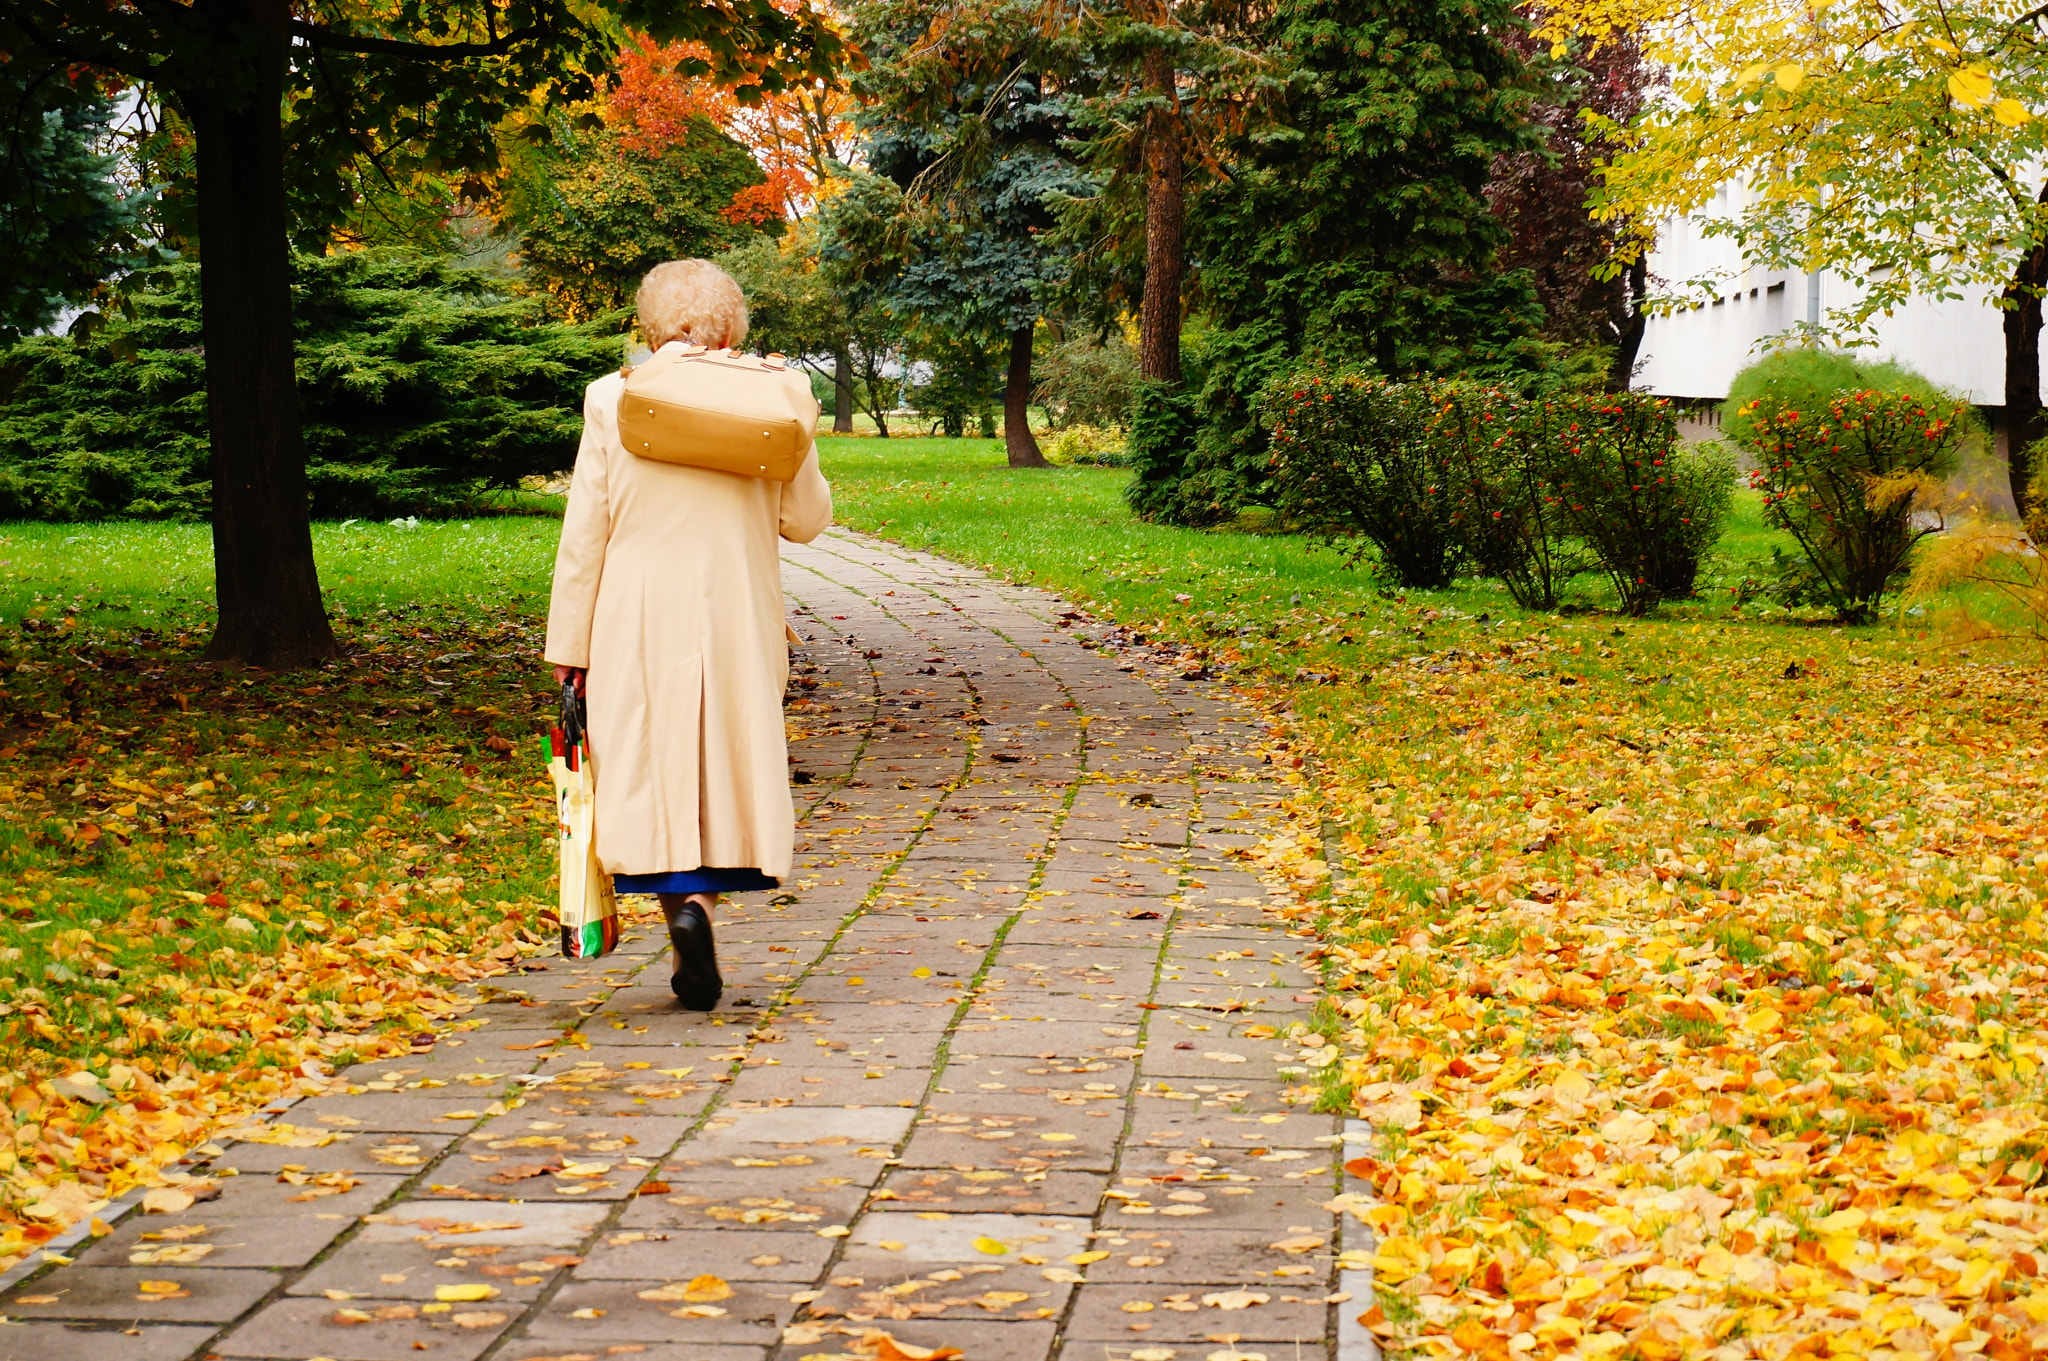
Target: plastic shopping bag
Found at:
x=590, y=914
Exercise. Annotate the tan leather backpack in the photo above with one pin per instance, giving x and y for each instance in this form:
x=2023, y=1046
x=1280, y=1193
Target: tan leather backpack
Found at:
x=723, y=410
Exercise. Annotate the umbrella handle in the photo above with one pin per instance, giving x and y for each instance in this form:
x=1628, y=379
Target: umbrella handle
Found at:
x=574, y=715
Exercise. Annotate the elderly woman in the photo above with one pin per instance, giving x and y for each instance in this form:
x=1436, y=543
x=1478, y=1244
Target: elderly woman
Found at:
x=667, y=614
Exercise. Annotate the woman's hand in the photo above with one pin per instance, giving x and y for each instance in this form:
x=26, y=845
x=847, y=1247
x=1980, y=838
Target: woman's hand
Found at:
x=565, y=674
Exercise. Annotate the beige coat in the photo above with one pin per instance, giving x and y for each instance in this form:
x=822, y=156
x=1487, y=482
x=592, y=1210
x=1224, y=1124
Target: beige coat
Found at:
x=668, y=587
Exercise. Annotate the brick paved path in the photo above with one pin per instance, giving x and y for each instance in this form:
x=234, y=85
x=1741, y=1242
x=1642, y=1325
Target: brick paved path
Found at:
x=981, y=1080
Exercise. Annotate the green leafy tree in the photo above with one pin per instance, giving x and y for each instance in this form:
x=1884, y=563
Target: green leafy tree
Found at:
x=65, y=223
x=593, y=215
x=963, y=111
x=799, y=303
x=425, y=388
x=1350, y=226
x=287, y=106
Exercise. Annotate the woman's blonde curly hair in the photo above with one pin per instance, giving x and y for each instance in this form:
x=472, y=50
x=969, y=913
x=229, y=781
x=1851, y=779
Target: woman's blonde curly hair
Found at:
x=691, y=300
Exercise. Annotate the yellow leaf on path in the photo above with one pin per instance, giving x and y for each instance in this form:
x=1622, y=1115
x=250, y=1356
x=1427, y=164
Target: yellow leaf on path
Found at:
x=1137, y=1306
x=1236, y=1299
x=834, y=1231
x=586, y=1313
x=1971, y=86
x=991, y=1246
x=1057, y=1138
x=707, y=1289
x=158, y=1287
x=477, y=1320
x=921, y=972
x=1084, y=1258
x=698, y=1311
x=465, y=1294
x=880, y=1346
x=1300, y=1243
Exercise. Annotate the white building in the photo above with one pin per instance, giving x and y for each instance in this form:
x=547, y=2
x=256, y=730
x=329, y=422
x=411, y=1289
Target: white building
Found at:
x=1695, y=353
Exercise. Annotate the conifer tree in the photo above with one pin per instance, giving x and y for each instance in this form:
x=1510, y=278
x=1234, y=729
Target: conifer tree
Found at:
x=1351, y=226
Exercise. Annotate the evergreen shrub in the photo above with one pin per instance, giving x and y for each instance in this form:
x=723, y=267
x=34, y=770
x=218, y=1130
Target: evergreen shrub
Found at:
x=425, y=387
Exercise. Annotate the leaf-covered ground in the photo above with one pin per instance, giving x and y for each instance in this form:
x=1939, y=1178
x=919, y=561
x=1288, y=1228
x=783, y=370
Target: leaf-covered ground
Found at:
x=213, y=882
x=1689, y=970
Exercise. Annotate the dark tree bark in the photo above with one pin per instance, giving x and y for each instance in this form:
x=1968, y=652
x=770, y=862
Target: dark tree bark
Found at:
x=1159, y=317
x=842, y=392
x=1018, y=440
x=2022, y=322
x=1629, y=342
x=266, y=583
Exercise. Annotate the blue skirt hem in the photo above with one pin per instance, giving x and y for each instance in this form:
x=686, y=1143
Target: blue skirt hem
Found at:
x=708, y=879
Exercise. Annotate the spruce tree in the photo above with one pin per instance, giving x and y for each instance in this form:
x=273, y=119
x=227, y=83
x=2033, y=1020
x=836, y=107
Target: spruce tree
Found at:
x=1350, y=227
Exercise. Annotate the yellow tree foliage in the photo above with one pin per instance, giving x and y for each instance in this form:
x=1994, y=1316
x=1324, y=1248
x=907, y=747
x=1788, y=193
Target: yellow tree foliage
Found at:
x=1896, y=145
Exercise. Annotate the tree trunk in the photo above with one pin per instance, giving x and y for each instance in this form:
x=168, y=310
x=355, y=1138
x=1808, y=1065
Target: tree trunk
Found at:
x=1159, y=319
x=265, y=581
x=2022, y=322
x=1017, y=438
x=842, y=392
x=1629, y=342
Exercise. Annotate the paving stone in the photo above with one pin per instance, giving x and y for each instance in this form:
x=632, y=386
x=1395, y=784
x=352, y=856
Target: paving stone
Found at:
x=997, y=1189
x=375, y=1269
x=425, y=1112
x=980, y=1341
x=773, y=1205
x=1098, y=1316
x=754, y=1313
x=260, y=1195
x=530, y=1224
x=105, y=1292
x=880, y=1288
x=378, y=1154
x=70, y=1342
x=737, y=1254
x=697, y=1351
x=798, y=1125
x=275, y=1241
x=305, y=1328
x=1177, y=1253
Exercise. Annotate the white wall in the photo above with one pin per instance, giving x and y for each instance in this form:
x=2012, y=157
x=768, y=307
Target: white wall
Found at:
x=1696, y=352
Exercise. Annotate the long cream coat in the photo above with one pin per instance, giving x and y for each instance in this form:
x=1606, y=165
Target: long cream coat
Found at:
x=668, y=587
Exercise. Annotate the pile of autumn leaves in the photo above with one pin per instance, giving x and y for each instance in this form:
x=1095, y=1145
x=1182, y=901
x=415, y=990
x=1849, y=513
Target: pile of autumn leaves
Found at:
x=73, y=1142
x=1715, y=1038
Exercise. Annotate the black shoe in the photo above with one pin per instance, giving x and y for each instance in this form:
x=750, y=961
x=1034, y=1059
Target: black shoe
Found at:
x=696, y=983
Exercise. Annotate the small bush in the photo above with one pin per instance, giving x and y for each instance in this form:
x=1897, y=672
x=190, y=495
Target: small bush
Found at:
x=1807, y=380
x=1509, y=513
x=1161, y=441
x=1082, y=383
x=1349, y=460
x=1848, y=482
x=1645, y=506
x=1091, y=445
